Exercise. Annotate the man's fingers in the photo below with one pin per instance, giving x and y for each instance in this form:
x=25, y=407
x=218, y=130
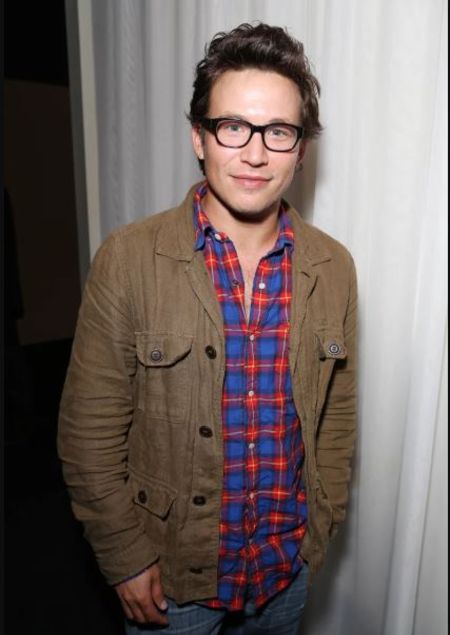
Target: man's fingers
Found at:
x=148, y=613
x=128, y=612
x=142, y=597
x=138, y=614
x=158, y=594
x=143, y=614
x=143, y=609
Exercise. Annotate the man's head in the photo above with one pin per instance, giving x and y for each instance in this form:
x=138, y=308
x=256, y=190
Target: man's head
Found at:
x=260, y=47
x=251, y=78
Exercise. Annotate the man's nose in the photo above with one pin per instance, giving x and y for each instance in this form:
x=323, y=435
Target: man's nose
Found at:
x=255, y=152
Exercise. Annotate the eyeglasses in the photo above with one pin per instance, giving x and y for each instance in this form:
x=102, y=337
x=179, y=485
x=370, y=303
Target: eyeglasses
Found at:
x=236, y=133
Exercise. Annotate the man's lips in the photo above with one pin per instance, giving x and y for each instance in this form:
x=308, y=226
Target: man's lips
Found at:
x=250, y=180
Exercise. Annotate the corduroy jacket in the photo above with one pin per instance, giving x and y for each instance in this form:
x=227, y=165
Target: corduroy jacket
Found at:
x=140, y=430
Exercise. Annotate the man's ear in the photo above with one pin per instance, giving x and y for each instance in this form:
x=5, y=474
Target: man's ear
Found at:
x=197, y=141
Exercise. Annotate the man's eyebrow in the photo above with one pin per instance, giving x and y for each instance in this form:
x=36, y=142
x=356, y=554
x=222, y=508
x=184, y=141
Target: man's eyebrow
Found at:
x=231, y=115
x=234, y=115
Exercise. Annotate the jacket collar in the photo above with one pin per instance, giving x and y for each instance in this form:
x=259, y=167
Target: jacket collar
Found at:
x=309, y=249
x=177, y=237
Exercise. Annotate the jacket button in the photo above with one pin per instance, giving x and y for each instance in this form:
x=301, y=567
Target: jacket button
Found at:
x=196, y=570
x=156, y=355
x=334, y=349
x=199, y=500
x=142, y=496
x=211, y=352
x=205, y=431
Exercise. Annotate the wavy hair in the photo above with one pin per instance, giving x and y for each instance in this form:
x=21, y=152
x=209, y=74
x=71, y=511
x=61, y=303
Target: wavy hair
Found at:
x=263, y=47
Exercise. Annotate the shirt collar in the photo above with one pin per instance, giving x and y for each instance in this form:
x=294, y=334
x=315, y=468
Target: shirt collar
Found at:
x=201, y=221
x=203, y=226
x=286, y=233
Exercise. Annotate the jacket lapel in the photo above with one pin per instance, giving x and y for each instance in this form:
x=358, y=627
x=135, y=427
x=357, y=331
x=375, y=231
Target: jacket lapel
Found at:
x=176, y=241
x=306, y=257
x=203, y=288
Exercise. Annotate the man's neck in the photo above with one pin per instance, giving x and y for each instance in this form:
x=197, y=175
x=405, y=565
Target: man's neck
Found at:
x=251, y=233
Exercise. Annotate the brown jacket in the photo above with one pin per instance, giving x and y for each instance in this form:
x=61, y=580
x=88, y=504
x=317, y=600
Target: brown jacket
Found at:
x=140, y=432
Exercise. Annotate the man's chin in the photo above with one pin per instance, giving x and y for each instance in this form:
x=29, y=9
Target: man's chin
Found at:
x=253, y=208
x=250, y=211
x=252, y=215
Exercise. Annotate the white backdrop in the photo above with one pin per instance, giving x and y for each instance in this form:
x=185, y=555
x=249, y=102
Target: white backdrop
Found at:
x=376, y=180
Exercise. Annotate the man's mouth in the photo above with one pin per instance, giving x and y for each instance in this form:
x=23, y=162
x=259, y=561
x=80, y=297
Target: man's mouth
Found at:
x=250, y=180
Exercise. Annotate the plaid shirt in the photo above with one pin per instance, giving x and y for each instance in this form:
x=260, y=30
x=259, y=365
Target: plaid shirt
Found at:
x=264, y=512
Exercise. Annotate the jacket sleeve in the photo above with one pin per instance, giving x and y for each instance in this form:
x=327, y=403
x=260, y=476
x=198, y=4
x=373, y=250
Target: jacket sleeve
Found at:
x=337, y=430
x=96, y=412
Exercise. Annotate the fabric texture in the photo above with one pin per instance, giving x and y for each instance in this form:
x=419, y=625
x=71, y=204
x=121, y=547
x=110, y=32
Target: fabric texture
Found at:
x=263, y=510
x=141, y=391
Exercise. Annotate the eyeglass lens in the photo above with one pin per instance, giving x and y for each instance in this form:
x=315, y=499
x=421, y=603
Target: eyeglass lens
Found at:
x=237, y=133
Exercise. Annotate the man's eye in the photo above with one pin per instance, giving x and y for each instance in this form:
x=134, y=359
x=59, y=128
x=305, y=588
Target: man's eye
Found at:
x=232, y=127
x=280, y=132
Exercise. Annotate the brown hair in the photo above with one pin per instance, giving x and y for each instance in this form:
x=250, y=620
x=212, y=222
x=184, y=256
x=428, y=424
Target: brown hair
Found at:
x=262, y=47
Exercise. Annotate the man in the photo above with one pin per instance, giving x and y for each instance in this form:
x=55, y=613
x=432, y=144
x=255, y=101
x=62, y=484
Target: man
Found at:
x=208, y=416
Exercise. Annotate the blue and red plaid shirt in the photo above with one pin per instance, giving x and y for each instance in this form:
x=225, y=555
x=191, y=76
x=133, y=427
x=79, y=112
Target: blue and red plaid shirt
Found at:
x=264, y=511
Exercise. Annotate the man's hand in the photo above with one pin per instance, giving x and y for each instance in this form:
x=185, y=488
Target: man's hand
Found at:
x=142, y=597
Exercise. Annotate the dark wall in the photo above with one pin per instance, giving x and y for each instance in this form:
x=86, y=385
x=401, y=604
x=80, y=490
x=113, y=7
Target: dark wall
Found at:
x=42, y=284
x=39, y=173
x=44, y=544
x=35, y=41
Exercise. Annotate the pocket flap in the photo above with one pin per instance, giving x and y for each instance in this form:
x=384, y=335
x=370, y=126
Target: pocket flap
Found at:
x=331, y=345
x=152, y=494
x=162, y=349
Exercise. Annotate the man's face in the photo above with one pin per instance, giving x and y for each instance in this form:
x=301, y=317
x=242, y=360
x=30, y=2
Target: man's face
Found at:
x=249, y=181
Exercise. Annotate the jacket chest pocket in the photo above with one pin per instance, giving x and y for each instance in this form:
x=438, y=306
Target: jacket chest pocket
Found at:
x=165, y=360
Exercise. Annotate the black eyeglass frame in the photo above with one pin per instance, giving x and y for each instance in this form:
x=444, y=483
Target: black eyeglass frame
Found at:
x=212, y=124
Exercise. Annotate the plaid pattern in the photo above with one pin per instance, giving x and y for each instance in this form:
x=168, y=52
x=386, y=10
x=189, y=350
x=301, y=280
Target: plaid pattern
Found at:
x=264, y=512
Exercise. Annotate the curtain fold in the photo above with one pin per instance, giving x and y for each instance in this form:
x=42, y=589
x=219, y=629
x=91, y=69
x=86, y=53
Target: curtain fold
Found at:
x=376, y=181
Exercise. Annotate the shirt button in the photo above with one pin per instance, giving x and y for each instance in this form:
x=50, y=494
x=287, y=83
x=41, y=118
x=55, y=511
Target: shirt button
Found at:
x=251, y=446
x=217, y=237
x=261, y=285
x=251, y=337
x=251, y=495
x=235, y=282
x=251, y=393
x=211, y=352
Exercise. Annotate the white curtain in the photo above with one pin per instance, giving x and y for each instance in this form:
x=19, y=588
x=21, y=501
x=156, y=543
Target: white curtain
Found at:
x=375, y=181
